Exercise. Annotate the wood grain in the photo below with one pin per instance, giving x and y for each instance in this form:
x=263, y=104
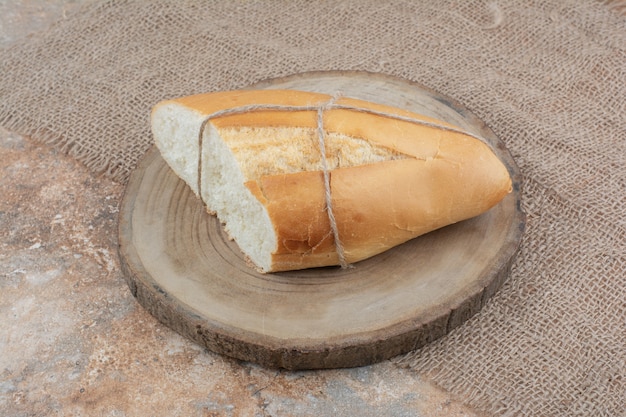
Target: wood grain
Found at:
x=190, y=276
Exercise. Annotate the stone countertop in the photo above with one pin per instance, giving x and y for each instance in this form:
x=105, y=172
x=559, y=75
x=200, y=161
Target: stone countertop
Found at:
x=73, y=340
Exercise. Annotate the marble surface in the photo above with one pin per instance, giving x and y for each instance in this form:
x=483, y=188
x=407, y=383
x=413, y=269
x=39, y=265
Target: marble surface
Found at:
x=73, y=340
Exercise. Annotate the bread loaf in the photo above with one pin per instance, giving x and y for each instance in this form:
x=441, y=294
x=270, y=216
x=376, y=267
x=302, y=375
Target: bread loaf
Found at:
x=300, y=180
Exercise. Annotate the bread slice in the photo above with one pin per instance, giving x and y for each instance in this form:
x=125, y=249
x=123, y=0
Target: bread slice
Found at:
x=392, y=175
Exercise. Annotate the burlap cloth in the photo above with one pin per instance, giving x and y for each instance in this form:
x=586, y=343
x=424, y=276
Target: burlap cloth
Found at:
x=549, y=77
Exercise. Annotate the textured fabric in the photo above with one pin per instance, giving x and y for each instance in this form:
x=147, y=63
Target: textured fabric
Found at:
x=549, y=77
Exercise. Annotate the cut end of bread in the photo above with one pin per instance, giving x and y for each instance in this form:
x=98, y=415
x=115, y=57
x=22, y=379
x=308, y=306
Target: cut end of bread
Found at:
x=224, y=192
x=176, y=130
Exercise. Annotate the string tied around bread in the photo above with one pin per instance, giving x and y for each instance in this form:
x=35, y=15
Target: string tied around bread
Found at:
x=327, y=196
x=320, y=109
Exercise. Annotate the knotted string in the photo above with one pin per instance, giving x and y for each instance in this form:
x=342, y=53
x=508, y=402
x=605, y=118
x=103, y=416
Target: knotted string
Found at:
x=319, y=109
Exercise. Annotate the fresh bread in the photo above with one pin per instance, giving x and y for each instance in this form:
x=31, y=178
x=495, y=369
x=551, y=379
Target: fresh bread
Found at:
x=255, y=159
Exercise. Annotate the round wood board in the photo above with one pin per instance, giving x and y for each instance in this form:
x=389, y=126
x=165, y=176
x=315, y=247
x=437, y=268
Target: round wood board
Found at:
x=183, y=269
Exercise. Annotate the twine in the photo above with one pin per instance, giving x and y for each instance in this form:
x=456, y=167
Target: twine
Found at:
x=329, y=205
x=319, y=109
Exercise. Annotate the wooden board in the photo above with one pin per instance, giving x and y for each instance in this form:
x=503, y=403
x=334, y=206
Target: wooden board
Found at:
x=183, y=269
